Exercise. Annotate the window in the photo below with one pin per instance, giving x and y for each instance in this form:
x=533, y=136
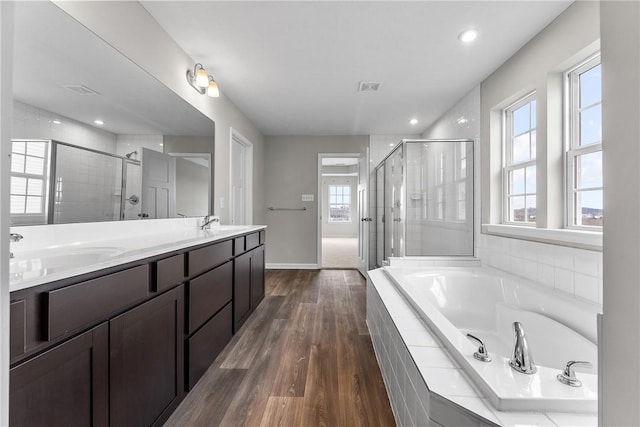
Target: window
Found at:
x=339, y=203
x=584, y=148
x=28, y=178
x=519, y=171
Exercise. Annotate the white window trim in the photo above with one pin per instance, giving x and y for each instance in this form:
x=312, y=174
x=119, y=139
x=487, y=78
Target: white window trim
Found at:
x=329, y=204
x=506, y=166
x=572, y=133
x=582, y=239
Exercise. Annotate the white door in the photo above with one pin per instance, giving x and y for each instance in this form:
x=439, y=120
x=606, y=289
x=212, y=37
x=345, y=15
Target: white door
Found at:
x=363, y=212
x=158, y=185
x=238, y=183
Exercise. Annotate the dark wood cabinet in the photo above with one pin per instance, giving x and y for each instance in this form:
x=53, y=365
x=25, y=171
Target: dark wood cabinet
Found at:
x=204, y=346
x=248, y=287
x=122, y=345
x=257, y=276
x=146, y=361
x=241, y=290
x=66, y=385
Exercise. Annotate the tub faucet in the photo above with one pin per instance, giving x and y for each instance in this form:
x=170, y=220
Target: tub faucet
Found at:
x=521, y=361
x=207, y=220
x=14, y=237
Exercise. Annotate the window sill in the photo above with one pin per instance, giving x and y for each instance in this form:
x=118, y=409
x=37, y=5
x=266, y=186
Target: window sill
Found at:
x=591, y=240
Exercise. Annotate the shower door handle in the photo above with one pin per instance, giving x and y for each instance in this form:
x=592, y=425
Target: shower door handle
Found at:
x=366, y=219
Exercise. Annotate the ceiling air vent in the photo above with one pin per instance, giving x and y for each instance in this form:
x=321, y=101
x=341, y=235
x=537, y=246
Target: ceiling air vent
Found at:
x=369, y=86
x=81, y=90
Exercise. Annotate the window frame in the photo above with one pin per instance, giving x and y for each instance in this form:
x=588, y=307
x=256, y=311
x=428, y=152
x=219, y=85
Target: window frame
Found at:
x=28, y=217
x=573, y=150
x=508, y=166
x=329, y=204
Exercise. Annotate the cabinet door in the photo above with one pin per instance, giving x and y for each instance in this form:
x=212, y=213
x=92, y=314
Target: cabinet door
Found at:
x=257, y=276
x=64, y=386
x=241, y=290
x=147, y=361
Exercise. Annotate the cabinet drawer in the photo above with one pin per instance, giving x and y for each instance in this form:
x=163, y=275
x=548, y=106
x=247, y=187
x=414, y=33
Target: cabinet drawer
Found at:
x=238, y=245
x=78, y=305
x=203, y=259
x=253, y=241
x=205, y=345
x=263, y=237
x=169, y=272
x=208, y=294
x=18, y=324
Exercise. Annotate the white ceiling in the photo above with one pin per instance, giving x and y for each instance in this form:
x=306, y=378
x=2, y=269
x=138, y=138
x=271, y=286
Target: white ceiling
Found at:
x=52, y=50
x=293, y=67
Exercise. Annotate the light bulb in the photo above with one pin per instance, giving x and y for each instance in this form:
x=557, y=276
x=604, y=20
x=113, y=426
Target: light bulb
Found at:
x=212, y=89
x=202, y=79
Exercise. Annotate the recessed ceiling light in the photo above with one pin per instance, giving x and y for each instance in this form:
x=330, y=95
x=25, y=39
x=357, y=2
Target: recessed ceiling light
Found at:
x=413, y=121
x=98, y=122
x=56, y=122
x=467, y=36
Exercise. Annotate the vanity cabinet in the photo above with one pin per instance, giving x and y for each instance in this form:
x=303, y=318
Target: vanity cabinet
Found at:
x=209, y=324
x=146, y=361
x=248, y=288
x=67, y=385
x=121, y=346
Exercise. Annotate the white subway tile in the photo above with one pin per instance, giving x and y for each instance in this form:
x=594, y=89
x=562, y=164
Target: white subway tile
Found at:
x=516, y=266
x=447, y=382
x=546, y=275
x=586, y=262
x=531, y=270
x=564, y=280
x=563, y=257
x=586, y=287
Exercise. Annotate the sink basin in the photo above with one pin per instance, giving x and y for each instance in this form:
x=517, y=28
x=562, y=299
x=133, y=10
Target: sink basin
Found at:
x=51, y=260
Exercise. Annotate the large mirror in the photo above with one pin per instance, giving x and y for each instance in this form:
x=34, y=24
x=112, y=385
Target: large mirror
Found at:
x=95, y=137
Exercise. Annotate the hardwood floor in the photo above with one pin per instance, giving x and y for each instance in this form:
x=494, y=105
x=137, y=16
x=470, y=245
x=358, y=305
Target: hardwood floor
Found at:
x=304, y=358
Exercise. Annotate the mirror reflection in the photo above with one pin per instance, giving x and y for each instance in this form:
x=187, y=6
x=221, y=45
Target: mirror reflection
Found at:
x=97, y=138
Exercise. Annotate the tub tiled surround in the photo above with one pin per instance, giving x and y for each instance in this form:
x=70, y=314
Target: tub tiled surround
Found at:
x=425, y=386
x=574, y=271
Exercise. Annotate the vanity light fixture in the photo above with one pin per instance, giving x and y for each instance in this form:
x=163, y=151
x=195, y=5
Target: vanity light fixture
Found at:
x=202, y=82
x=467, y=36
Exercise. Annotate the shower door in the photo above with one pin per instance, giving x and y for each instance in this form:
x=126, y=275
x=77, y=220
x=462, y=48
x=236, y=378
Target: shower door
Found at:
x=394, y=204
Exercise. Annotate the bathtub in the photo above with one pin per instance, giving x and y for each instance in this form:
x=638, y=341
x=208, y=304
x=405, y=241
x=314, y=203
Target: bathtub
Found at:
x=485, y=302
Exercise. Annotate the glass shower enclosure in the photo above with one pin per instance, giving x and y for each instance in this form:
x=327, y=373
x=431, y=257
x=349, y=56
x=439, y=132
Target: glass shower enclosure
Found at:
x=424, y=192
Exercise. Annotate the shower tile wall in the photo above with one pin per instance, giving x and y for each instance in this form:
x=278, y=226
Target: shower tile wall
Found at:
x=88, y=186
x=577, y=272
x=30, y=122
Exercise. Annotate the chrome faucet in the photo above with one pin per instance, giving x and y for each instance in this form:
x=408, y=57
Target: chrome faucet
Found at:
x=207, y=220
x=14, y=237
x=521, y=361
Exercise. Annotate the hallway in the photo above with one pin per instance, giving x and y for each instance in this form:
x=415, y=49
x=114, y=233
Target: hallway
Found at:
x=303, y=359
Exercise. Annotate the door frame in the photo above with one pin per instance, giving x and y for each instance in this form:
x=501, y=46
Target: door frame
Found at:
x=207, y=157
x=248, y=203
x=320, y=204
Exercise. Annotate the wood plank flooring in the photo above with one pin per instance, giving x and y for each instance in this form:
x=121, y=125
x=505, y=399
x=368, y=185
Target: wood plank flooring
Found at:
x=304, y=358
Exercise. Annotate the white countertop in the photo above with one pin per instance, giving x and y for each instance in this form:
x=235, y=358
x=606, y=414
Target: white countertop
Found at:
x=49, y=253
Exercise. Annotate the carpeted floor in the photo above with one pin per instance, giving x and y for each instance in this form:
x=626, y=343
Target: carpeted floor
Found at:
x=339, y=252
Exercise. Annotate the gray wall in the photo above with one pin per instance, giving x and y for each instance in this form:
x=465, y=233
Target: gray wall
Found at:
x=291, y=169
x=620, y=342
x=340, y=229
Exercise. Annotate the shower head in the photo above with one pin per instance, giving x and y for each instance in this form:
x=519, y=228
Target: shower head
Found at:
x=128, y=156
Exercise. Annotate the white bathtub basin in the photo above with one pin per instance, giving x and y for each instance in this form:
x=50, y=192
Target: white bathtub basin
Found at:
x=456, y=301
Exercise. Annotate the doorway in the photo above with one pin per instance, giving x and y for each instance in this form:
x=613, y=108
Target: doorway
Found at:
x=339, y=216
x=241, y=180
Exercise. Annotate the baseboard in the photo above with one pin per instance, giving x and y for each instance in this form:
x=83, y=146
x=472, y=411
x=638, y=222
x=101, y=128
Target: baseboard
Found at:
x=286, y=266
